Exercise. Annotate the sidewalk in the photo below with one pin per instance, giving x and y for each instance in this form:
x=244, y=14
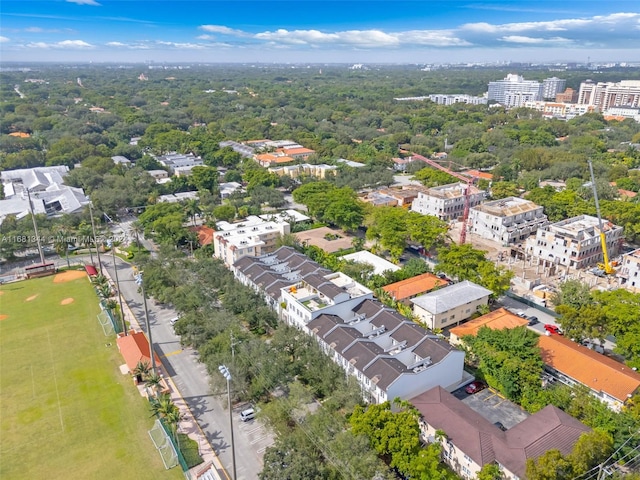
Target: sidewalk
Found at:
x=188, y=424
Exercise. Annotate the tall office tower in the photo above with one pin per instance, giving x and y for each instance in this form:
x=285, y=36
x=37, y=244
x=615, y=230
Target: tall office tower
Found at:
x=552, y=86
x=514, y=90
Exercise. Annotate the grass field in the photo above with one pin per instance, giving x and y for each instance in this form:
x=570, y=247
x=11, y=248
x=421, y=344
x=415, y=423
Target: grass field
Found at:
x=66, y=411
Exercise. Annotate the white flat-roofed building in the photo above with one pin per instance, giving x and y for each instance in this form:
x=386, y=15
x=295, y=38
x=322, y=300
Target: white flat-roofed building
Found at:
x=252, y=237
x=560, y=109
x=514, y=90
x=446, y=201
x=574, y=242
x=450, y=305
x=630, y=270
x=351, y=163
x=178, y=197
x=175, y=160
x=450, y=99
x=508, y=220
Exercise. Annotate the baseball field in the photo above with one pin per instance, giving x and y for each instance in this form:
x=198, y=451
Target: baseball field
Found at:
x=66, y=410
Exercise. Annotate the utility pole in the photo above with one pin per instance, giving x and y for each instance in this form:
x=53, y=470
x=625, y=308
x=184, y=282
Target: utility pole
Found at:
x=226, y=374
x=35, y=228
x=140, y=282
x=95, y=239
x=115, y=269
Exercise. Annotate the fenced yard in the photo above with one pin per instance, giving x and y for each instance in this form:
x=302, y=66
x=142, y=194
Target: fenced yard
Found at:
x=66, y=411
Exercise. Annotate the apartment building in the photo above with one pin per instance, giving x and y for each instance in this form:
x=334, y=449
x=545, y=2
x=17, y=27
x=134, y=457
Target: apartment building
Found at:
x=561, y=110
x=552, y=86
x=514, y=91
x=175, y=161
x=450, y=99
x=507, y=221
x=630, y=271
x=253, y=236
x=450, y=305
x=612, y=382
x=389, y=355
x=605, y=95
x=446, y=201
x=574, y=242
x=321, y=170
x=568, y=96
x=471, y=441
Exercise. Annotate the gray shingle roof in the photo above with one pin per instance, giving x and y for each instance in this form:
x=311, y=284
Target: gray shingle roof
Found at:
x=451, y=297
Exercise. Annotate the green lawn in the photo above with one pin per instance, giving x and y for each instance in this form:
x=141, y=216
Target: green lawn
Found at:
x=66, y=411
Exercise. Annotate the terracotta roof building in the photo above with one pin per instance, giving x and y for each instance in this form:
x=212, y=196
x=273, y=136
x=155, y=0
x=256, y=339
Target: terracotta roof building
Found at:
x=406, y=289
x=612, y=382
x=472, y=441
x=135, y=348
x=496, y=320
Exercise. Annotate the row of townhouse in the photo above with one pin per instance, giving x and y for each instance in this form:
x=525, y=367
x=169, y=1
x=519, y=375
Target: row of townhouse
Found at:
x=389, y=355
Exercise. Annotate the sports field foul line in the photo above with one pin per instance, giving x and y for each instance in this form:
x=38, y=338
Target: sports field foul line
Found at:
x=55, y=380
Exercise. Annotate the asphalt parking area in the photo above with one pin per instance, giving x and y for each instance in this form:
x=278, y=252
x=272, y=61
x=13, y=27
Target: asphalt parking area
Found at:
x=494, y=407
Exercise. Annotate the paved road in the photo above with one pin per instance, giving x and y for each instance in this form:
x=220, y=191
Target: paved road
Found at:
x=192, y=379
x=519, y=307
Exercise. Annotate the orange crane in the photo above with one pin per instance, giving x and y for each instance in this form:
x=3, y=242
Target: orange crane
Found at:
x=467, y=191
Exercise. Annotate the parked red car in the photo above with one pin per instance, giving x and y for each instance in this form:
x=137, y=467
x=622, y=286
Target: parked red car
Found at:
x=553, y=329
x=475, y=387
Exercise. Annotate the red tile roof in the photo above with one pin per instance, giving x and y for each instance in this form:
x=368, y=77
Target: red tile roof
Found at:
x=414, y=286
x=135, y=348
x=205, y=235
x=596, y=371
x=496, y=320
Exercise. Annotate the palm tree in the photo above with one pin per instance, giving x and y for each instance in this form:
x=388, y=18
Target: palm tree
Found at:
x=152, y=382
x=191, y=209
x=137, y=230
x=141, y=370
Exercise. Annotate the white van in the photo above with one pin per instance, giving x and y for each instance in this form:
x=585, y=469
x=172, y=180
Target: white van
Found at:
x=248, y=414
x=173, y=321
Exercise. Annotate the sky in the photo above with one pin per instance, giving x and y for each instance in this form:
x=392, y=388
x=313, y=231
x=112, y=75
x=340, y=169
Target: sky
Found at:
x=328, y=31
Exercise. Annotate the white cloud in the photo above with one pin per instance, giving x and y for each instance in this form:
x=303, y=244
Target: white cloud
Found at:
x=85, y=2
x=182, y=46
x=221, y=29
x=65, y=44
x=4, y=39
x=534, y=40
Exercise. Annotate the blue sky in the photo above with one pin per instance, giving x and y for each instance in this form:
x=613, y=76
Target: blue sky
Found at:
x=418, y=31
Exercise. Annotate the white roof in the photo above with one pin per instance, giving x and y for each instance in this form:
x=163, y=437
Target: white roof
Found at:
x=379, y=264
x=285, y=216
x=450, y=297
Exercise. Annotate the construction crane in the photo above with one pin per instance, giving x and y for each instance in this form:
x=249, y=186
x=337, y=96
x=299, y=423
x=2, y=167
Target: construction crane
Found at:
x=467, y=191
x=606, y=267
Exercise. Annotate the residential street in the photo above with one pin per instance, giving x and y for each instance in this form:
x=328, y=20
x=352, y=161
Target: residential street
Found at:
x=192, y=379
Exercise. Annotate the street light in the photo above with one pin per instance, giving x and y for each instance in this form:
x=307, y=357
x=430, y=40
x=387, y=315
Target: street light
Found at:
x=140, y=283
x=226, y=374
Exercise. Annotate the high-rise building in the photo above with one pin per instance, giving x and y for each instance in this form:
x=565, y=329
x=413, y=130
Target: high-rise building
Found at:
x=552, y=86
x=605, y=95
x=514, y=90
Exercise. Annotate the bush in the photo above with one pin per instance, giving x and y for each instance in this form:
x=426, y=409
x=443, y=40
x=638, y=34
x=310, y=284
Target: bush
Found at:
x=189, y=449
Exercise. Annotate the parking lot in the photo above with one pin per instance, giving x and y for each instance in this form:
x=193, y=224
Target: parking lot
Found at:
x=493, y=406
